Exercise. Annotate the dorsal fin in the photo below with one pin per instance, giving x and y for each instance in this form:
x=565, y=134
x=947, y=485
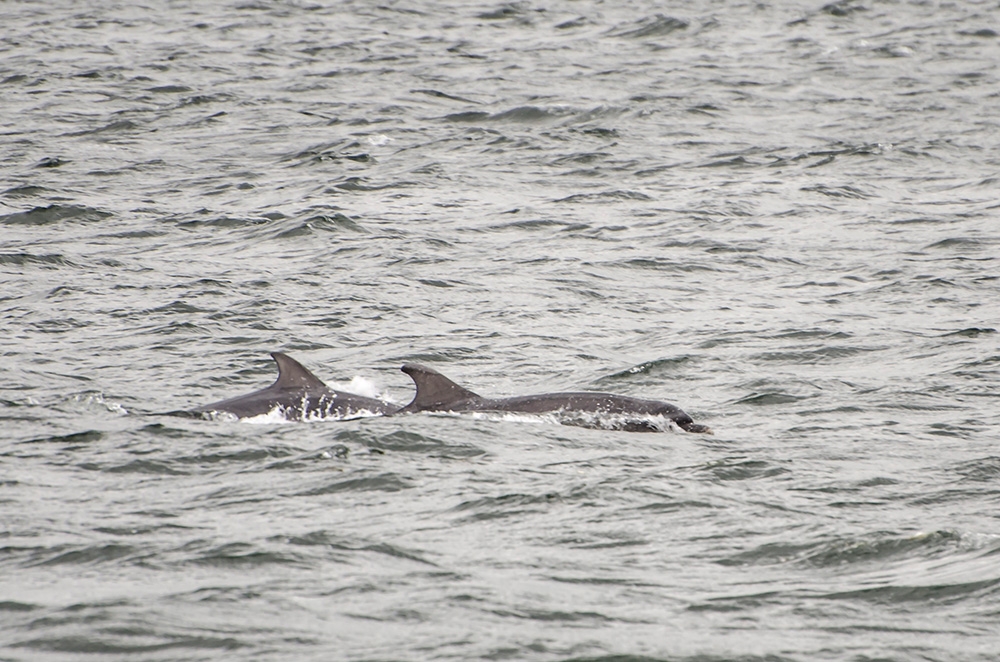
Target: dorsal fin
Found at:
x=435, y=392
x=292, y=374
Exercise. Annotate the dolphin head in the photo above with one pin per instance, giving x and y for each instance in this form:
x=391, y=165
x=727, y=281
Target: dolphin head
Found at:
x=687, y=424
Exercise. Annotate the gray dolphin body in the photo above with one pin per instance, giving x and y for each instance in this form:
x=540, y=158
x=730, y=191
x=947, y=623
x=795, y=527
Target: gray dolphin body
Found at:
x=435, y=392
x=299, y=395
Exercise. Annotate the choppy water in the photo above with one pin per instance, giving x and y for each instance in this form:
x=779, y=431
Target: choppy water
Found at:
x=784, y=217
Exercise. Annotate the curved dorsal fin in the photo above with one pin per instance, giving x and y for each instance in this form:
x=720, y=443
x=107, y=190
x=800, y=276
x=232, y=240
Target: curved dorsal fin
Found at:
x=292, y=374
x=435, y=392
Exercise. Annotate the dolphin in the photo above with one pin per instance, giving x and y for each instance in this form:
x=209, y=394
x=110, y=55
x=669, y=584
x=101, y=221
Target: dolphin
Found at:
x=435, y=392
x=298, y=395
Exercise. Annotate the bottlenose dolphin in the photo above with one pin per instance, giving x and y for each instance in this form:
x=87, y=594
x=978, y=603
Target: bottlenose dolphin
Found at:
x=298, y=395
x=435, y=392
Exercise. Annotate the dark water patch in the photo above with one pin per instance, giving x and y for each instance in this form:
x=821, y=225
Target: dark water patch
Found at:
x=74, y=554
x=918, y=220
x=112, y=128
x=206, y=99
x=506, y=505
x=959, y=243
x=982, y=470
x=921, y=401
x=700, y=657
x=662, y=264
x=336, y=451
x=842, y=411
x=882, y=547
x=442, y=95
x=599, y=132
x=971, y=332
x=321, y=223
x=166, y=431
x=738, y=603
x=169, y=89
x=651, y=368
x=843, y=8
x=521, y=114
x=361, y=185
x=658, y=25
x=243, y=555
x=113, y=644
x=54, y=214
x=769, y=399
x=140, y=530
x=141, y=466
x=878, y=548
x=546, y=615
x=986, y=368
x=26, y=191
x=224, y=594
x=935, y=594
x=178, y=307
x=735, y=162
x=850, y=148
x=395, y=616
x=386, y=482
x=404, y=441
x=605, y=197
x=581, y=291
x=223, y=222
x=531, y=224
x=602, y=581
x=770, y=553
x=13, y=606
x=878, y=481
x=431, y=282
x=977, y=493
x=63, y=325
x=675, y=506
x=319, y=538
x=468, y=116
x=712, y=246
x=957, y=431
x=838, y=191
x=814, y=356
x=338, y=151
x=585, y=158
x=616, y=543
x=733, y=469
x=85, y=437
x=322, y=538
x=229, y=496
x=984, y=33
x=512, y=10
x=240, y=456
x=396, y=552
x=805, y=334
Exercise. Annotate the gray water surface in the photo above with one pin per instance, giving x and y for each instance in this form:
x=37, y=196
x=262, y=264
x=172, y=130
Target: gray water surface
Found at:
x=783, y=217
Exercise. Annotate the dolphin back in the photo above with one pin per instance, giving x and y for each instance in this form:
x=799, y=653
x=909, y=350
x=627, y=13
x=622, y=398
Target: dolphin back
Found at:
x=292, y=374
x=435, y=392
x=298, y=395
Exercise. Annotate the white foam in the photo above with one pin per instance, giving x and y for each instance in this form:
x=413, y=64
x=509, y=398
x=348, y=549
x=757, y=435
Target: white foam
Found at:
x=359, y=386
x=514, y=417
x=274, y=417
x=593, y=420
x=99, y=399
x=277, y=416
